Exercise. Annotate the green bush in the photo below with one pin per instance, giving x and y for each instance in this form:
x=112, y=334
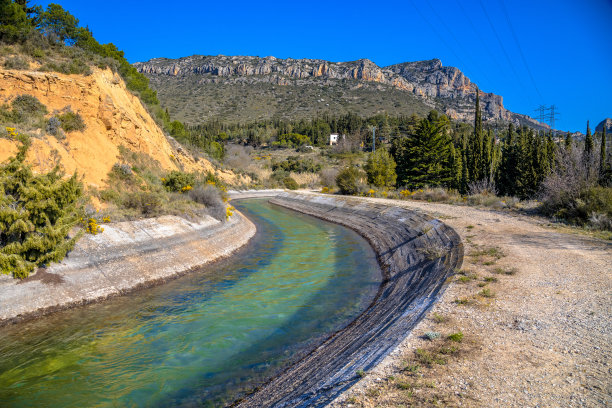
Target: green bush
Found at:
x=71, y=121
x=290, y=183
x=37, y=212
x=27, y=105
x=347, y=180
x=178, y=181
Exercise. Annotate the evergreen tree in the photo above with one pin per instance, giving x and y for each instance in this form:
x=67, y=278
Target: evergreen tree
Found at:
x=588, y=142
x=475, y=145
x=380, y=168
x=465, y=177
x=506, y=175
x=425, y=157
x=37, y=212
x=604, y=170
x=568, y=141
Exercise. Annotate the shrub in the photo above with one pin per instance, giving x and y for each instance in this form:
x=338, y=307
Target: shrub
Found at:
x=37, y=212
x=456, y=337
x=290, y=183
x=347, y=180
x=54, y=128
x=328, y=177
x=16, y=63
x=71, y=121
x=123, y=171
x=27, y=105
x=145, y=202
x=432, y=335
x=210, y=197
x=178, y=181
x=380, y=169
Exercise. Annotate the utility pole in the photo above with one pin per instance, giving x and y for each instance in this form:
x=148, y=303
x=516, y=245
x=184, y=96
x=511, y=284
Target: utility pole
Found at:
x=373, y=139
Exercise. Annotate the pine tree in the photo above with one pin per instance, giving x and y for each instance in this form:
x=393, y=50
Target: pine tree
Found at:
x=37, y=211
x=425, y=157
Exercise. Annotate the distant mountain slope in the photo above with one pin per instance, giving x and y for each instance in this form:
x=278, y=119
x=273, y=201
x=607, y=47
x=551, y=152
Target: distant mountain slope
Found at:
x=243, y=88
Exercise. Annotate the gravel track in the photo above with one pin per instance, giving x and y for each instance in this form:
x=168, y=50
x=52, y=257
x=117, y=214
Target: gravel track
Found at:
x=545, y=340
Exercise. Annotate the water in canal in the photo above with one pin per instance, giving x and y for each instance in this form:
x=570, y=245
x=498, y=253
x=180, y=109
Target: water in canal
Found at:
x=203, y=339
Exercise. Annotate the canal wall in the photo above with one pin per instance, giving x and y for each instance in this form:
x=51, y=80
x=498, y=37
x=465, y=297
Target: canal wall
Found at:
x=417, y=255
x=125, y=257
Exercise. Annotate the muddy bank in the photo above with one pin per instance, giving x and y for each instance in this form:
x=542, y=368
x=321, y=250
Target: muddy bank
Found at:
x=417, y=255
x=125, y=257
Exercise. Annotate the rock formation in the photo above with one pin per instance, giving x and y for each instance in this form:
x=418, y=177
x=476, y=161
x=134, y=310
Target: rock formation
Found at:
x=445, y=88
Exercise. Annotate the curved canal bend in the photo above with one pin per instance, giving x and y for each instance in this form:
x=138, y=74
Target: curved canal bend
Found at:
x=205, y=338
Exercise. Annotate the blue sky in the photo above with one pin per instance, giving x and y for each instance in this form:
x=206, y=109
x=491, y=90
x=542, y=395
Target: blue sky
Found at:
x=530, y=52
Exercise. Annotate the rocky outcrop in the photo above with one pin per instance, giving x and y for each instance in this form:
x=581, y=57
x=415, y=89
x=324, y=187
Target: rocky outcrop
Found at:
x=607, y=123
x=417, y=255
x=125, y=257
x=445, y=87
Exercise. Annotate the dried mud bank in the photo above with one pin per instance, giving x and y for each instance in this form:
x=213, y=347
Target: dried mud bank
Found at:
x=417, y=255
x=125, y=257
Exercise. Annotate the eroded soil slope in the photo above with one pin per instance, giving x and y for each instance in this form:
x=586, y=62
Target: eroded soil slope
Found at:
x=112, y=115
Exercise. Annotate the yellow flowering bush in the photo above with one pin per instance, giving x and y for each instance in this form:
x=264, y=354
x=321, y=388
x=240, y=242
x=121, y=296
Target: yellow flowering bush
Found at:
x=229, y=211
x=92, y=227
x=12, y=132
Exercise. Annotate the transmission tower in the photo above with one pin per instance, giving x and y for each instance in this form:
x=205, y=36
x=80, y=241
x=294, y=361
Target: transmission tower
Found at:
x=548, y=114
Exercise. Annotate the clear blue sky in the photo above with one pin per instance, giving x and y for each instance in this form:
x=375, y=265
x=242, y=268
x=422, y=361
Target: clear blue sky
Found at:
x=530, y=52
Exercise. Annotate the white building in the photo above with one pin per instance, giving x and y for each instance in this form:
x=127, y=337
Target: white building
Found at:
x=334, y=138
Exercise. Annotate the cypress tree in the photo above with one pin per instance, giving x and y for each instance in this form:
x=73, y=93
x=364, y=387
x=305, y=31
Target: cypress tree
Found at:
x=588, y=142
x=465, y=177
x=602, y=154
x=475, y=145
x=568, y=142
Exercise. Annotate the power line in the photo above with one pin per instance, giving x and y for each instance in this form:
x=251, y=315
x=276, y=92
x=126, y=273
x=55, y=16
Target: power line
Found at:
x=456, y=40
x=518, y=44
x=437, y=33
x=484, y=44
x=501, y=44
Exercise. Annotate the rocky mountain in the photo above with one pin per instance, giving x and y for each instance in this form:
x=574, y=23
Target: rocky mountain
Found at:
x=198, y=87
x=607, y=122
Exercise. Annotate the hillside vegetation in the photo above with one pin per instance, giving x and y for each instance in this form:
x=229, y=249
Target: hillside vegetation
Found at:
x=79, y=145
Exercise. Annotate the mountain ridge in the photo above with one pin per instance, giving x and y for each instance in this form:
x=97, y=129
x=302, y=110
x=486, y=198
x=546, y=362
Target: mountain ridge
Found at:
x=432, y=85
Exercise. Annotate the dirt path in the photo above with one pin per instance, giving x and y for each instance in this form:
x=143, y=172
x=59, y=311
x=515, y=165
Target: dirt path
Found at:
x=533, y=305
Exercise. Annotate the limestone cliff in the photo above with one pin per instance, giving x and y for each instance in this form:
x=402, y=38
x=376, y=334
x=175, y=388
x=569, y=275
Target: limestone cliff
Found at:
x=113, y=116
x=445, y=88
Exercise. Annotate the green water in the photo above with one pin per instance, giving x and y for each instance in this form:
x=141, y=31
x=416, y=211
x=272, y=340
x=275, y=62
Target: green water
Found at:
x=203, y=339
